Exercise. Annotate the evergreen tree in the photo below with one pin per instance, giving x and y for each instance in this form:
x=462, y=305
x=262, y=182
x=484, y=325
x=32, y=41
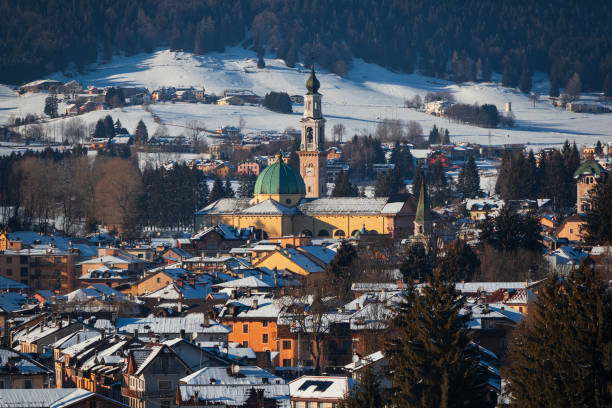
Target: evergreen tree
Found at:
x=525, y=82
x=469, y=181
x=460, y=262
x=598, y=228
x=202, y=193
x=416, y=263
x=437, y=184
x=510, y=231
x=260, y=61
x=247, y=186
x=342, y=269
x=446, y=137
x=109, y=127
x=119, y=129
x=217, y=191
x=383, y=186
x=228, y=191
x=434, y=136
x=562, y=354
x=402, y=158
x=432, y=359
x=343, y=186
x=554, y=87
x=100, y=131
x=141, y=133
x=598, y=148
x=51, y=106
x=368, y=394
x=607, y=88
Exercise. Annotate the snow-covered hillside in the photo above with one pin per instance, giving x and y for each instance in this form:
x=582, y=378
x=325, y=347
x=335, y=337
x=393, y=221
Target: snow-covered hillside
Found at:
x=368, y=94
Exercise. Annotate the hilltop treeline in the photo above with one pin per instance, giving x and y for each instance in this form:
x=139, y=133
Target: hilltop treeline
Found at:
x=478, y=37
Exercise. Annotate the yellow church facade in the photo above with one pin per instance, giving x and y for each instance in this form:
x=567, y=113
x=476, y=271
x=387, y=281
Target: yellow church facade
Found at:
x=288, y=202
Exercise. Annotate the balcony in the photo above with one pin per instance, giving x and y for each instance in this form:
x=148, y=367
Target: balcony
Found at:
x=127, y=392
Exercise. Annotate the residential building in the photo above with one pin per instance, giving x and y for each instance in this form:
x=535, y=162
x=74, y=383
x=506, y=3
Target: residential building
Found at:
x=587, y=176
x=20, y=371
x=56, y=398
x=235, y=386
x=151, y=377
x=46, y=269
x=319, y=391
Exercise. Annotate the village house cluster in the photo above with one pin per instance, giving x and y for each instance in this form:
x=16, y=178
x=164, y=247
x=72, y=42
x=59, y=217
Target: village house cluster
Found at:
x=215, y=317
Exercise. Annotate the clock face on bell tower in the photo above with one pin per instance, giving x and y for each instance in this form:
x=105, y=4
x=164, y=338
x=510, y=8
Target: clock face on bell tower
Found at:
x=313, y=157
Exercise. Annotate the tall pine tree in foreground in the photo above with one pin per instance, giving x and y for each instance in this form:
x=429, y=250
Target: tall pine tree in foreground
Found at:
x=432, y=360
x=562, y=355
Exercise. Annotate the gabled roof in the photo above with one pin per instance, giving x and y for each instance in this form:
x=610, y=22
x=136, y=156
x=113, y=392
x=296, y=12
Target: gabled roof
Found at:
x=226, y=206
x=269, y=207
x=310, y=387
x=20, y=363
x=6, y=283
x=50, y=398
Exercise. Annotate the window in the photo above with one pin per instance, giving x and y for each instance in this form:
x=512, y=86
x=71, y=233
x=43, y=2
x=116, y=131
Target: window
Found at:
x=265, y=323
x=165, y=384
x=9, y=259
x=27, y=384
x=9, y=272
x=245, y=328
x=1, y=384
x=286, y=344
x=158, y=279
x=264, y=338
x=23, y=271
x=245, y=344
x=165, y=404
x=286, y=362
x=23, y=259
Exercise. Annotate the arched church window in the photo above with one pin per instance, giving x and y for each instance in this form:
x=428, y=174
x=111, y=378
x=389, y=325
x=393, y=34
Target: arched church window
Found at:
x=420, y=229
x=309, y=135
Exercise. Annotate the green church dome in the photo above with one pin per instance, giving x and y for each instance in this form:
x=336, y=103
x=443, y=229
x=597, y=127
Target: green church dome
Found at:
x=312, y=83
x=280, y=178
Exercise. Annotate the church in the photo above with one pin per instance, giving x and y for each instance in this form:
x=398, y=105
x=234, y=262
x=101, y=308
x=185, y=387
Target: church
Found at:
x=287, y=202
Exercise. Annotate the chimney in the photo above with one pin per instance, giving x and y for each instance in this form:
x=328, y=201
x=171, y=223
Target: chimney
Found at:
x=179, y=283
x=182, y=333
x=192, y=281
x=255, y=304
x=206, y=321
x=135, y=333
x=503, y=310
x=180, y=307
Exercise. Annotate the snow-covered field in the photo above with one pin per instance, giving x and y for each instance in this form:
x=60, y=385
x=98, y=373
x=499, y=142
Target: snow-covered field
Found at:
x=368, y=94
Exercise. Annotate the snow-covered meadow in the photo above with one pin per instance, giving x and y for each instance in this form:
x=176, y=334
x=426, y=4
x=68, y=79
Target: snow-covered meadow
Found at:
x=367, y=95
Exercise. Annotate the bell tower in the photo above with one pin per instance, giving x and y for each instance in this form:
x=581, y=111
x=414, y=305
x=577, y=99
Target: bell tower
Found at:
x=313, y=157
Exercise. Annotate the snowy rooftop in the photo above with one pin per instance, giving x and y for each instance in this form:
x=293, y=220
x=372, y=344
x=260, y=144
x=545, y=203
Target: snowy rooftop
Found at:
x=344, y=205
x=321, y=387
x=170, y=325
x=47, y=397
x=23, y=364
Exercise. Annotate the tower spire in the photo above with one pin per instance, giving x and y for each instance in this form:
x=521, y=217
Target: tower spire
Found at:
x=422, y=218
